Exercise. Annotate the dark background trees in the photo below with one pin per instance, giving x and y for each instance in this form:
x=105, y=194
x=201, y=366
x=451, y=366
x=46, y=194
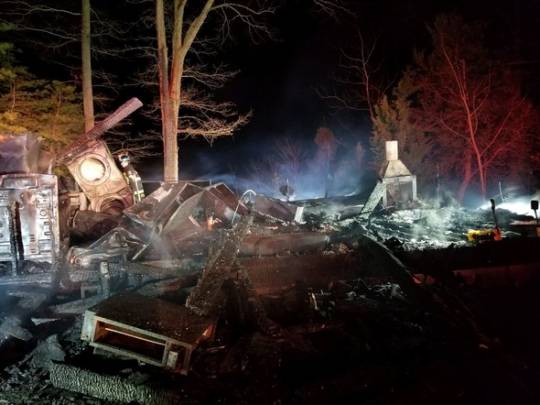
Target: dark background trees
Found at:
x=463, y=108
x=38, y=104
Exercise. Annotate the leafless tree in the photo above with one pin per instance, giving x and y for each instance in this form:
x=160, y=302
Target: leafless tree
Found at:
x=333, y=8
x=185, y=29
x=357, y=86
x=473, y=104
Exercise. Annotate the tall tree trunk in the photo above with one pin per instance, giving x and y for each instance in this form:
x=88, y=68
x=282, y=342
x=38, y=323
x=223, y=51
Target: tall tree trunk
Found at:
x=467, y=177
x=13, y=96
x=88, y=97
x=175, y=93
x=170, y=82
x=471, y=116
x=178, y=57
x=168, y=127
x=474, y=146
x=480, y=170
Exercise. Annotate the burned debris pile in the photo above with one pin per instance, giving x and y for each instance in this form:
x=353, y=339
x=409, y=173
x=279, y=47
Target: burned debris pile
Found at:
x=194, y=293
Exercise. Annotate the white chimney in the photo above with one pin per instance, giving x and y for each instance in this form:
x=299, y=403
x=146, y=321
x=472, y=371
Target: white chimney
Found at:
x=392, y=150
x=399, y=184
x=393, y=167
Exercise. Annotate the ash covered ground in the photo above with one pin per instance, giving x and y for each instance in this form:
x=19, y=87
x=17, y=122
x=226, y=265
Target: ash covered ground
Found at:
x=436, y=228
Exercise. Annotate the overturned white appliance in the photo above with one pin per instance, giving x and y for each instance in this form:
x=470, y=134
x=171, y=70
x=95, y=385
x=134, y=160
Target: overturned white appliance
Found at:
x=92, y=165
x=398, y=182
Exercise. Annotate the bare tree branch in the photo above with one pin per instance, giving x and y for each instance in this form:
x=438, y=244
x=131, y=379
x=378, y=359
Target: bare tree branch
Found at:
x=332, y=7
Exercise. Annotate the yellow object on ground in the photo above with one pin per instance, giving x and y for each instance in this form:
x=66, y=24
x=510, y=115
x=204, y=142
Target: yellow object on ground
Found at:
x=480, y=235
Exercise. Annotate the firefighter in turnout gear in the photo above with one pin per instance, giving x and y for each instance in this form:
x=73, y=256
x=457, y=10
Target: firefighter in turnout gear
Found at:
x=131, y=175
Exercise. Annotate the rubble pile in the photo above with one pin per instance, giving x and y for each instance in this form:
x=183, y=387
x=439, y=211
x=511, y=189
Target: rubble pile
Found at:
x=193, y=294
x=303, y=312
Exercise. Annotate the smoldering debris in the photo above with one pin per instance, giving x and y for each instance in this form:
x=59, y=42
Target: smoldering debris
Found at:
x=273, y=301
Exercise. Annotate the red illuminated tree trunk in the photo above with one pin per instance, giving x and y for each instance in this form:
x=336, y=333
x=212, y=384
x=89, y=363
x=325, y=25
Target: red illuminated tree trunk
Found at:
x=170, y=142
x=469, y=110
x=170, y=81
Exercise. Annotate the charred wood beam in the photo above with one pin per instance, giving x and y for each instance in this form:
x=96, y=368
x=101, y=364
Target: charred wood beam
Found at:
x=207, y=296
x=108, y=387
x=80, y=144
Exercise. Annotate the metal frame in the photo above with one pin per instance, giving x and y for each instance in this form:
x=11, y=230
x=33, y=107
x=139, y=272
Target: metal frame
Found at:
x=95, y=326
x=29, y=219
x=148, y=330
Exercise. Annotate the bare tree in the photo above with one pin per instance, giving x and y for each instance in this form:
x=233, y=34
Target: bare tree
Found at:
x=356, y=87
x=333, y=8
x=472, y=103
x=185, y=30
x=281, y=167
x=217, y=119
